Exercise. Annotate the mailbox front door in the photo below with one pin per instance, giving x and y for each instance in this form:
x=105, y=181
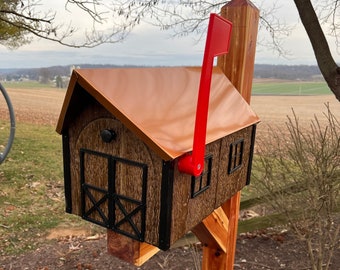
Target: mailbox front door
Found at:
x=113, y=187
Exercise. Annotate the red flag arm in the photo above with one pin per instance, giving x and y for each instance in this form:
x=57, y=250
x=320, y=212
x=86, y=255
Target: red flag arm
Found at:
x=217, y=43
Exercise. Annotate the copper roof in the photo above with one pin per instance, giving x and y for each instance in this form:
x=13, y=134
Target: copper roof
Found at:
x=159, y=104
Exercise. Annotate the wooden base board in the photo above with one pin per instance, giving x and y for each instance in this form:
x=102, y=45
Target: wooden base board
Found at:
x=129, y=250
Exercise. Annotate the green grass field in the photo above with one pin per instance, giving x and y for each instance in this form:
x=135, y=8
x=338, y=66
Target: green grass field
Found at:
x=290, y=88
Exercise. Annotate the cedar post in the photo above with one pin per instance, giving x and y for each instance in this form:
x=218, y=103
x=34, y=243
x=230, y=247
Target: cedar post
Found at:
x=238, y=65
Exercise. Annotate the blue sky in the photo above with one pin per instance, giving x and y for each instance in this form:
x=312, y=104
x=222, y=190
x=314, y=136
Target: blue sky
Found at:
x=147, y=45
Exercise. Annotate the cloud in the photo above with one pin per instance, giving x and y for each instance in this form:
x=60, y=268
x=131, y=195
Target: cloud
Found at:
x=145, y=46
x=149, y=46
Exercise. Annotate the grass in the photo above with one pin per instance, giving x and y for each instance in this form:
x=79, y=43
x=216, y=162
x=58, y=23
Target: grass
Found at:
x=290, y=88
x=31, y=188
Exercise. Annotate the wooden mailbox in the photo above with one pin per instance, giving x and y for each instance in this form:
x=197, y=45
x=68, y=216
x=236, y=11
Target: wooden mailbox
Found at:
x=124, y=131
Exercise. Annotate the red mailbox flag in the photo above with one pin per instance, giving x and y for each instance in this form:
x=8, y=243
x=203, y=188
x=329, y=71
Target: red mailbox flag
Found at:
x=217, y=43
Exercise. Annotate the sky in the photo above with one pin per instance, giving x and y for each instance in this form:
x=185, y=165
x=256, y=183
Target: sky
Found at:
x=149, y=46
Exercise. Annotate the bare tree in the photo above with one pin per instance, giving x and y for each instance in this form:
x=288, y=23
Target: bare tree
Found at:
x=21, y=19
x=44, y=75
x=328, y=67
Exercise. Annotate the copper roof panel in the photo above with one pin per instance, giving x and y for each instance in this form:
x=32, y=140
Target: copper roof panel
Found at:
x=159, y=104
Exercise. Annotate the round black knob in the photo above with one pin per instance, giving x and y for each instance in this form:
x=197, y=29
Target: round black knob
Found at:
x=108, y=135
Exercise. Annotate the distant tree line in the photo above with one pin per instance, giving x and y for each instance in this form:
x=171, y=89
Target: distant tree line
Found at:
x=34, y=74
x=284, y=72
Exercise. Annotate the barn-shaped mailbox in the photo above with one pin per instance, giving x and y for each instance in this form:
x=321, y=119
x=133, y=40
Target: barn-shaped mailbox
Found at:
x=124, y=131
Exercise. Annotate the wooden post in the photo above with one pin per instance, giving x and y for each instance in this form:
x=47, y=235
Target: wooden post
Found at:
x=238, y=65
